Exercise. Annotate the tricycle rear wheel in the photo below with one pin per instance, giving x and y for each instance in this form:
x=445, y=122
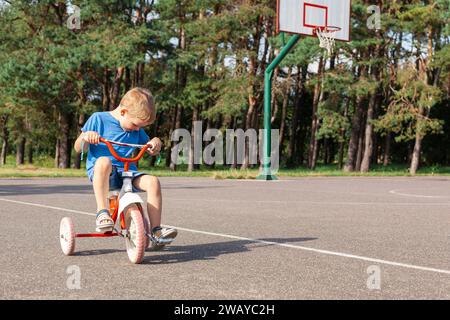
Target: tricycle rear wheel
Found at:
x=67, y=236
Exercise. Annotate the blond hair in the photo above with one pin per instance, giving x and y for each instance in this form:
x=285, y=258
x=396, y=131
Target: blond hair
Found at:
x=140, y=104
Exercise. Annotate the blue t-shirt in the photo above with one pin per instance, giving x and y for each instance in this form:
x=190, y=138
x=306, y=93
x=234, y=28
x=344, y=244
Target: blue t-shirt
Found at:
x=109, y=128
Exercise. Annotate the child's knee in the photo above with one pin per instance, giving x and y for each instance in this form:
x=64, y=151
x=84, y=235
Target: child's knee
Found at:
x=152, y=184
x=103, y=164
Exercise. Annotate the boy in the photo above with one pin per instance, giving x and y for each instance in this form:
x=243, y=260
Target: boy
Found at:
x=123, y=124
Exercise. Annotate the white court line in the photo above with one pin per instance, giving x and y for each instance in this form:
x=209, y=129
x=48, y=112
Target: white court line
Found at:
x=291, y=246
x=48, y=207
x=339, y=254
x=283, y=178
x=315, y=202
x=298, y=190
x=416, y=195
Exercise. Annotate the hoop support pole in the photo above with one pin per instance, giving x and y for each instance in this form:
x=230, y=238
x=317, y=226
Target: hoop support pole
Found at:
x=268, y=74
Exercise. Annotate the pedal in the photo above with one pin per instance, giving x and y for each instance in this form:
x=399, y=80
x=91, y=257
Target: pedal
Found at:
x=104, y=230
x=164, y=241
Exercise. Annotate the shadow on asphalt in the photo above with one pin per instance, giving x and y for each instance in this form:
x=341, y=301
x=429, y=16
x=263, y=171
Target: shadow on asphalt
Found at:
x=192, y=187
x=39, y=189
x=208, y=251
x=98, y=252
x=30, y=189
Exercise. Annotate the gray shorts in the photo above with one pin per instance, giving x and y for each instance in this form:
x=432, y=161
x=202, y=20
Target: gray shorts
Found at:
x=115, y=178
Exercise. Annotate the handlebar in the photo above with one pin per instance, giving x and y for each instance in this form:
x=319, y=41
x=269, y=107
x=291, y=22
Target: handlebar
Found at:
x=127, y=161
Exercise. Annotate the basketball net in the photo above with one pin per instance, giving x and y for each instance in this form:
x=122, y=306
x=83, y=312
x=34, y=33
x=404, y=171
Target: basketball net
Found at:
x=326, y=37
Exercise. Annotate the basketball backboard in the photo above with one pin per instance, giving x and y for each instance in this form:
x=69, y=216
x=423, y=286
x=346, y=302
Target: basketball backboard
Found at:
x=304, y=16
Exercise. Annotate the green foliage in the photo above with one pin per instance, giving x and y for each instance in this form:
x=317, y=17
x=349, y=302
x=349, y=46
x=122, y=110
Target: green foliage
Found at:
x=408, y=112
x=232, y=97
x=48, y=70
x=332, y=123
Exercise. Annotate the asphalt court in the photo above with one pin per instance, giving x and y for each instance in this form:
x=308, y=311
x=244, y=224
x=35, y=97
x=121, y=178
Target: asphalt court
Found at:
x=303, y=238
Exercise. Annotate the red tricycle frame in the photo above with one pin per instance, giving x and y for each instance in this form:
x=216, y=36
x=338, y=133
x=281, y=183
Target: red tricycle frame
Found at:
x=114, y=210
x=134, y=226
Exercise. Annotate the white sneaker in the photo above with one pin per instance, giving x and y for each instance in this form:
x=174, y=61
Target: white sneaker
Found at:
x=161, y=237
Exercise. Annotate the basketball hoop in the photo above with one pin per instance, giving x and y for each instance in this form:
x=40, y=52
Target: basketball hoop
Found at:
x=326, y=37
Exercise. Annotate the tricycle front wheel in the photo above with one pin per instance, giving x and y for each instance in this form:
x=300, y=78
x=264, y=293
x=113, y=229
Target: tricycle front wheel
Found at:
x=147, y=232
x=136, y=239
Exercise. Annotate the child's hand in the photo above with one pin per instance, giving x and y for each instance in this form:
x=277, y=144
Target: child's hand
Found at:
x=91, y=137
x=156, y=146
